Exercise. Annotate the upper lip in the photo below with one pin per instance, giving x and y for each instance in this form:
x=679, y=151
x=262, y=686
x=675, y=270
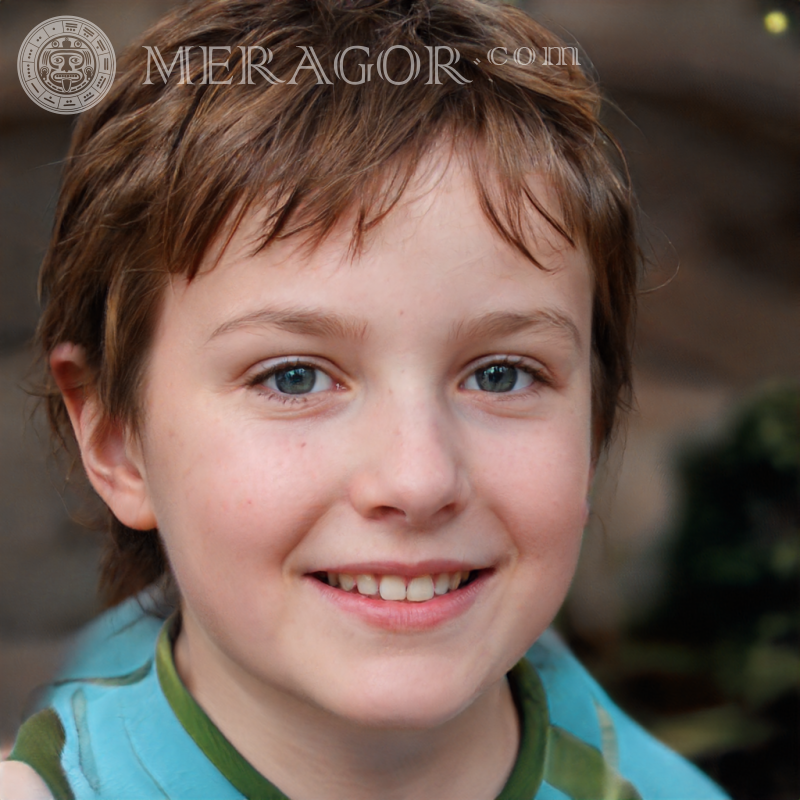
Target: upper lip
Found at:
x=405, y=570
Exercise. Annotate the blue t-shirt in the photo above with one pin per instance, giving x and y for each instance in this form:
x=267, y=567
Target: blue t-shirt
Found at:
x=120, y=725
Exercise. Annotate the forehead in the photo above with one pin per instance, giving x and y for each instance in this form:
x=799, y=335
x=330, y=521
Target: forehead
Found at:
x=436, y=254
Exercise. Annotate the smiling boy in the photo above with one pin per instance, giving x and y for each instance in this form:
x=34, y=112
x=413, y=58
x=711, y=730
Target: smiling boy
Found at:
x=340, y=360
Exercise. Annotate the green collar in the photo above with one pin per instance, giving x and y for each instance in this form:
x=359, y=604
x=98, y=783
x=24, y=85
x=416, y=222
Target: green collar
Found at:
x=526, y=688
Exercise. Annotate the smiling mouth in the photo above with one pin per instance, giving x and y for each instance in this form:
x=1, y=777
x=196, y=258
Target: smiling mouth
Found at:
x=397, y=588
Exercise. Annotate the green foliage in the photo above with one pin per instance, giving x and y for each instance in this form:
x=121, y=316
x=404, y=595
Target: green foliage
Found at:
x=716, y=670
x=736, y=564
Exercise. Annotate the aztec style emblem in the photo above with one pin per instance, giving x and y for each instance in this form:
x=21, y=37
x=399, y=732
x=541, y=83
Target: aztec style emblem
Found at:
x=66, y=64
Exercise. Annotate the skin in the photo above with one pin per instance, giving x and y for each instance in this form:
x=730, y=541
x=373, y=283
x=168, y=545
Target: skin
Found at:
x=19, y=782
x=400, y=457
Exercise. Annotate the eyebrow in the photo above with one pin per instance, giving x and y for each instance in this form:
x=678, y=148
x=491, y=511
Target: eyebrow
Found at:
x=309, y=322
x=312, y=322
x=505, y=323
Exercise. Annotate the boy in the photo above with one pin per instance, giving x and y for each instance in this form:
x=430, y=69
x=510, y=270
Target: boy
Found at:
x=340, y=353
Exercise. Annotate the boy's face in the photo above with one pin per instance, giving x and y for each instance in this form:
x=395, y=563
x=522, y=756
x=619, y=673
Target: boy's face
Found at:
x=421, y=410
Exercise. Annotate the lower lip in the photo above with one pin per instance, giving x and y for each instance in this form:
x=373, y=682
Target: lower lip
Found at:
x=398, y=616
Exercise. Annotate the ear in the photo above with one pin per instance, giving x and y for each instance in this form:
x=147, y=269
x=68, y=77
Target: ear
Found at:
x=587, y=510
x=111, y=455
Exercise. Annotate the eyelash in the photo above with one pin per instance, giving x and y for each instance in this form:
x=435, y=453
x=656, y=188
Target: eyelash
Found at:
x=258, y=381
x=540, y=379
x=539, y=375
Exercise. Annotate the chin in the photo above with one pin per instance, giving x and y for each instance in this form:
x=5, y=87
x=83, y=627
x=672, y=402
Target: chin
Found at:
x=410, y=703
x=396, y=713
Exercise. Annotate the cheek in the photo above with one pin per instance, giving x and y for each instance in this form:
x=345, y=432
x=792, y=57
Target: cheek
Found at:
x=229, y=502
x=538, y=488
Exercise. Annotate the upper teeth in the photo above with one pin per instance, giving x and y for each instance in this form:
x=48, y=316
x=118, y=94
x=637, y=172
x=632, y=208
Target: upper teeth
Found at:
x=395, y=587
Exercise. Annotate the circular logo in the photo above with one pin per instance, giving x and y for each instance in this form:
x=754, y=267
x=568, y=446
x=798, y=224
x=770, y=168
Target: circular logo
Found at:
x=66, y=64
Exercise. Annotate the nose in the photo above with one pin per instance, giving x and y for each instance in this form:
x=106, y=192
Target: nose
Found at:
x=410, y=464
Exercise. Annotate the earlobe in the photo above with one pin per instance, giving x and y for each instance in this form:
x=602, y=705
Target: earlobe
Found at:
x=111, y=455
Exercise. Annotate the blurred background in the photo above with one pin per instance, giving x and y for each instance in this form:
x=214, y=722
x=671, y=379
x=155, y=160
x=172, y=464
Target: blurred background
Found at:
x=686, y=601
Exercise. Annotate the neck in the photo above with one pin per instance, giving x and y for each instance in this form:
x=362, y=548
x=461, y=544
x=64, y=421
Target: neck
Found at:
x=312, y=754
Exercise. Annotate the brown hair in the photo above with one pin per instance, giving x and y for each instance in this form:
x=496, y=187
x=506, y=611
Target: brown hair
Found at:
x=157, y=171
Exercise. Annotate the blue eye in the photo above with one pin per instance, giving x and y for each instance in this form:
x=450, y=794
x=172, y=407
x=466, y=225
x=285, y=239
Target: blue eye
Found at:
x=297, y=379
x=500, y=378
